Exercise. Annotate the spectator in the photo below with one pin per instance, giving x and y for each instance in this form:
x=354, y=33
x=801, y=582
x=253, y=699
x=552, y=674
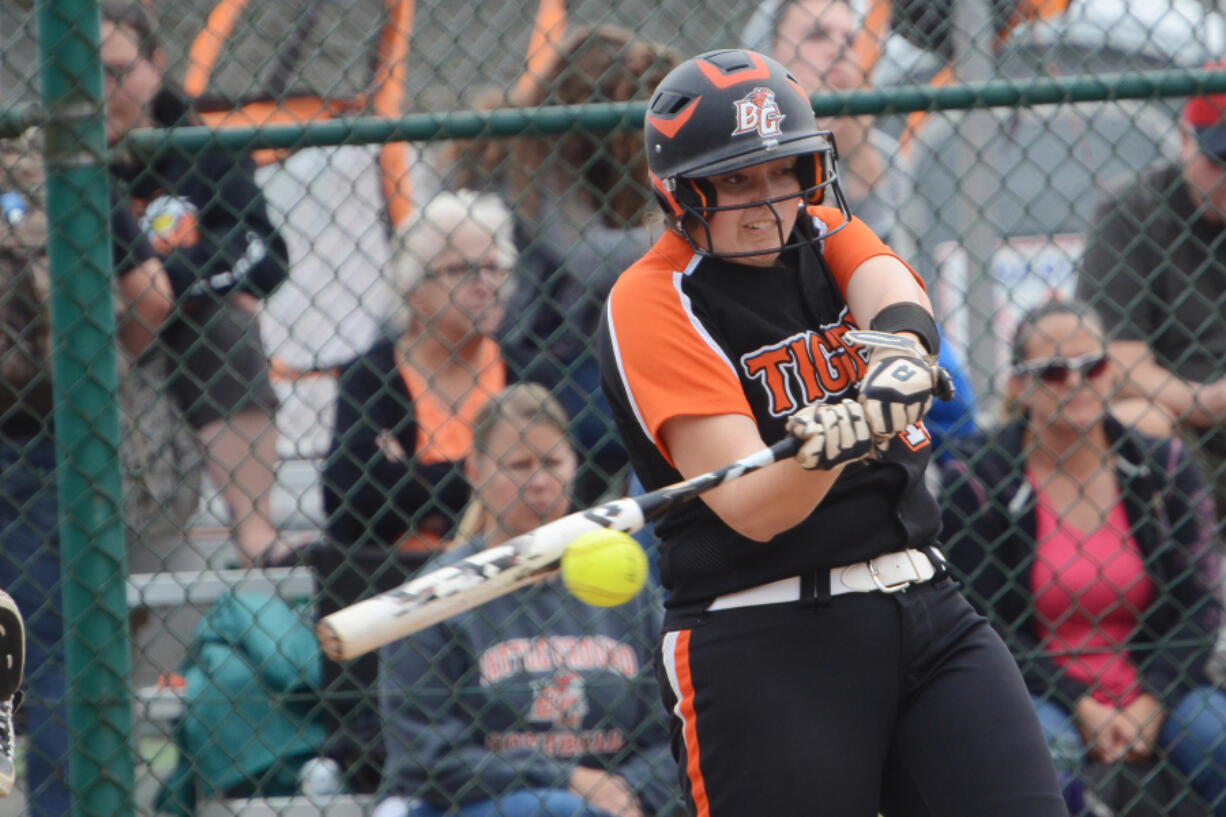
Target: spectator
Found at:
x=1153, y=269
x=394, y=481
x=29, y=527
x=580, y=203
x=1089, y=546
x=206, y=218
x=813, y=39
x=477, y=729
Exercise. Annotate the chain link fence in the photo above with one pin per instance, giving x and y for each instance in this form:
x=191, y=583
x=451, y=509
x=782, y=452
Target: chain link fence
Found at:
x=308, y=333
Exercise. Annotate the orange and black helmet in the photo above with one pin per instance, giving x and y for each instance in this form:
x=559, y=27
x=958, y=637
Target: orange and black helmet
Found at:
x=727, y=110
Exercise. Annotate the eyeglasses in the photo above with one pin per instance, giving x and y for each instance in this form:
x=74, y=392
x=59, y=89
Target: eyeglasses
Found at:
x=490, y=272
x=1055, y=371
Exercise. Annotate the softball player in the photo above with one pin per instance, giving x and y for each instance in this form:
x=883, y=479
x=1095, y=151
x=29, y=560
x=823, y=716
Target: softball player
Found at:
x=817, y=658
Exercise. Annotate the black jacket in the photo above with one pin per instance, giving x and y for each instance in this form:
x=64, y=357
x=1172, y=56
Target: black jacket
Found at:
x=235, y=244
x=988, y=515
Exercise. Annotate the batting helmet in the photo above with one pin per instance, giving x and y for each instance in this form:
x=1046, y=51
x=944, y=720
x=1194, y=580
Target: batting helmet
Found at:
x=726, y=110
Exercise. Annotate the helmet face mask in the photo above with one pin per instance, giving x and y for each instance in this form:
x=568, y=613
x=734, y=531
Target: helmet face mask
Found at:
x=725, y=111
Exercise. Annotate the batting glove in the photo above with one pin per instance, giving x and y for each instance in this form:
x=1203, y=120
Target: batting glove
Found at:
x=833, y=434
x=898, y=387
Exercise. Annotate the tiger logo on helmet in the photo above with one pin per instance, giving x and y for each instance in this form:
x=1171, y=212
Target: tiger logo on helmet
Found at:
x=724, y=111
x=758, y=113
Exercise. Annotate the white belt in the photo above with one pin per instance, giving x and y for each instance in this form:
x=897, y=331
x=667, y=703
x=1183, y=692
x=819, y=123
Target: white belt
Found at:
x=887, y=573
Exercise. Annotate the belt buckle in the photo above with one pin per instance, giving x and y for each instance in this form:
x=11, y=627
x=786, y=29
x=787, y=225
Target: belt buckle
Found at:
x=898, y=586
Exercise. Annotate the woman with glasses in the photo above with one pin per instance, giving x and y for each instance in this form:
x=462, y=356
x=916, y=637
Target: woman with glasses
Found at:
x=1090, y=547
x=394, y=478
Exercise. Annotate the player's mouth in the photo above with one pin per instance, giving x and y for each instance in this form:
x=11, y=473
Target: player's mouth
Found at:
x=768, y=225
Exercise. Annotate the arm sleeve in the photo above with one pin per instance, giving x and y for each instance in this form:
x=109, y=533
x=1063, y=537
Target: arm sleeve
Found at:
x=238, y=246
x=976, y=541
x=667, y=363
x=1189, y=605
x=848, y=248
x=1119, y=261
x=434, y=748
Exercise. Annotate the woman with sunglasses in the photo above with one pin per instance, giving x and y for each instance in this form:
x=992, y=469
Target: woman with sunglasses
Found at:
x=1090, y=547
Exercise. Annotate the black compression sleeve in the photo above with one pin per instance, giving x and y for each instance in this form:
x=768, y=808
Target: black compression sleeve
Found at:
x=909, y=317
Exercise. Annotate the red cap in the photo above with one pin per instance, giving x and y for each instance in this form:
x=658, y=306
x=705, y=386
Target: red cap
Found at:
x=1207, y=117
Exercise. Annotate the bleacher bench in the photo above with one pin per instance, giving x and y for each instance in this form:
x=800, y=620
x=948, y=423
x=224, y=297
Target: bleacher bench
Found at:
x=339, y=805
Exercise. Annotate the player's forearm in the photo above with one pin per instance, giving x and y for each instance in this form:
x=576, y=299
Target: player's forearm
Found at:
x=776, y=499
x=878, y=282
x=759, y=505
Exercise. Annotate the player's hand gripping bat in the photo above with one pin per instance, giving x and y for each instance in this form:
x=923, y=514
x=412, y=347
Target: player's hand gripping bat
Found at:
x=440, y=594
x=447, y=591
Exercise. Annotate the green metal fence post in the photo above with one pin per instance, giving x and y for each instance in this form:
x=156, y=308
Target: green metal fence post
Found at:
x=101, y=770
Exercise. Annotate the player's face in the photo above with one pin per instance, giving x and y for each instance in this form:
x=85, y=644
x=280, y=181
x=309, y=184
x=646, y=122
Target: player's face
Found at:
x=813, y=39
x=131, y=81
x=1069, y=377
x=523, y=477
x=754, y=226
x=464, y=287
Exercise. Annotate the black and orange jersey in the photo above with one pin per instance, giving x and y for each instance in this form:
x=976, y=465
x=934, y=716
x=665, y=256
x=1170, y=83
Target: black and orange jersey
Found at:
x=685, y=334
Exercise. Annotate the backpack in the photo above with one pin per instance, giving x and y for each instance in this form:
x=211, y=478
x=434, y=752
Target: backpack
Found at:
x=161, y=461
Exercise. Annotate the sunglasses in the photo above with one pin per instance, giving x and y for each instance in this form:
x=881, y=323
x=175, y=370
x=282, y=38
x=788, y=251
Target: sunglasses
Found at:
x=1056, y=371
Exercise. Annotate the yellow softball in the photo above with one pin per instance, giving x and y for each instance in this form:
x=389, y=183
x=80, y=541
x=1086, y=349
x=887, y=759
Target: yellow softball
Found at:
x=604, y=568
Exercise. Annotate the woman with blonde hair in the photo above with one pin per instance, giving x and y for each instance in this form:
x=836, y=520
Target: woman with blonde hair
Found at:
x=393, y=482
x=534, y=705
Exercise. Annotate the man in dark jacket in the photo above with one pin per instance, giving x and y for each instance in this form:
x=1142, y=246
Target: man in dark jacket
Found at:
x=1154, y=268
x=207, y=220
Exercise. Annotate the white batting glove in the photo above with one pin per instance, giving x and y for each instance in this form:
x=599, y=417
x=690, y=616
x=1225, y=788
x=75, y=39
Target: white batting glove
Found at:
x=833, y=434
x=898, y=387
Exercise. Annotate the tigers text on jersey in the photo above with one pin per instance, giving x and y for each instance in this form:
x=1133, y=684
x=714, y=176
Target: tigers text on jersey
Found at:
x=685, y=334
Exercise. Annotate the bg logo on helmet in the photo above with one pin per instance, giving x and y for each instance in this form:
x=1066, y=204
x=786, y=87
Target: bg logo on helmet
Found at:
x=758, y=112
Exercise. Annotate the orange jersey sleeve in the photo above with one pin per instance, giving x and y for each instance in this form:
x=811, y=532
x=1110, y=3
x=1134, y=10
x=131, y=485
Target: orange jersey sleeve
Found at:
x=667, y=362
x=851, y=246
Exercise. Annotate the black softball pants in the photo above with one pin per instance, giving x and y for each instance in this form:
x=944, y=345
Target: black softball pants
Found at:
x=904, y=704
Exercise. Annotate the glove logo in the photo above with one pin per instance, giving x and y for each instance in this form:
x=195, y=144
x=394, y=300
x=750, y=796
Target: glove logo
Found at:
x=903, y=372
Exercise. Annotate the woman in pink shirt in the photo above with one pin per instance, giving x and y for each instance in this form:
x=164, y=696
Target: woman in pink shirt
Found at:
x=1091, y=548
